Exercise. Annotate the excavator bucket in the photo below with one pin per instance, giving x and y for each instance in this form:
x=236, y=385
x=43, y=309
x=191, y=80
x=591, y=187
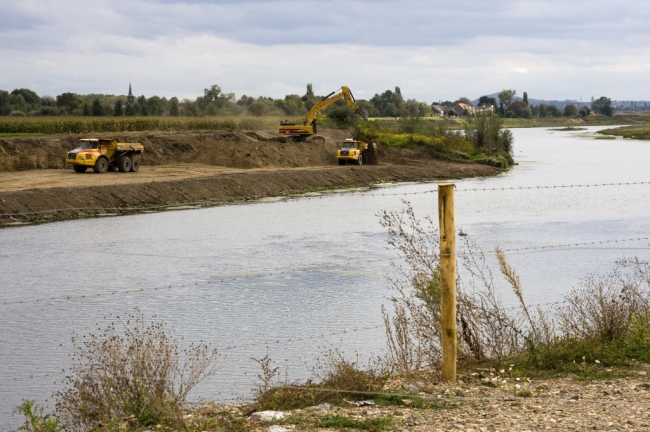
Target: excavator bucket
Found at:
x=363, y=113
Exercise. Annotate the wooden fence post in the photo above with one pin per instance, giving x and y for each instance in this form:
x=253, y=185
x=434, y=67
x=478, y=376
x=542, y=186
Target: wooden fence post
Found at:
x=447, y=279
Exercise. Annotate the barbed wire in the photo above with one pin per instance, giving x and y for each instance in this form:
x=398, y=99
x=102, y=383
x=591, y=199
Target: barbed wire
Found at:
x=212, y=203
x=229, y=348
x=512, y=188
x=349, y=264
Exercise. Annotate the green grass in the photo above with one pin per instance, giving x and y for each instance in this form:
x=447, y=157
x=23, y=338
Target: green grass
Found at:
x=336, y=421
x=632, y=132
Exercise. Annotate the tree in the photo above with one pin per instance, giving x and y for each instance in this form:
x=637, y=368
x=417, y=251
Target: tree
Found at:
x=85, y=111
x=603, y=105
x=463, y=100
x=30, y=97
x=570, y=110
x=117, y=110
x=5, y=108
x=543, y=110
x=525, y=100
x=173, y=107
x=129, y=111
x=584, y=111
x=486, y=100
x=517, y=108
x=507, y=96
x=309, y=94
x=68, y=101
x=142, y=106
x=98, y=108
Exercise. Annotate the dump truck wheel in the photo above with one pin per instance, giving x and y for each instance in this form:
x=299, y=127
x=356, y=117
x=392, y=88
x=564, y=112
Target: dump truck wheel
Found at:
x=101, y=166
x=360, y=160
x=124, y=164
x=79, y=168
x=342, y=161
x=135, y=163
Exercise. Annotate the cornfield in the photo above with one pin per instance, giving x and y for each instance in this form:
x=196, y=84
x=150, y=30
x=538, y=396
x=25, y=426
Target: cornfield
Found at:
x=84, y=125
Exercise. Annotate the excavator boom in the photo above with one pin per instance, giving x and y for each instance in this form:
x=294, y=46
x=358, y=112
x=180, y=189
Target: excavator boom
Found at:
x=309, y=127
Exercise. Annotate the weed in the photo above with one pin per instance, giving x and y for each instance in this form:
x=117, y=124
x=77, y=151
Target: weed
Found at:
x=525, y=393
x=131, y=373
x=35, y=421
x=488, y=384
x=336, y=421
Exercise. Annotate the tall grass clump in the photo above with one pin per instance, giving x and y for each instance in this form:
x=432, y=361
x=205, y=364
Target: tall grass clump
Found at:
x=486, y=132
x=605, y=318
x=130, y=375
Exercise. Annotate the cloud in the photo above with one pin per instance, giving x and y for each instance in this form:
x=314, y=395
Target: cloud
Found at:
x=433, y=50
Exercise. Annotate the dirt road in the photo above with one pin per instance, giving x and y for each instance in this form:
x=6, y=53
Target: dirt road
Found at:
x=210, y=167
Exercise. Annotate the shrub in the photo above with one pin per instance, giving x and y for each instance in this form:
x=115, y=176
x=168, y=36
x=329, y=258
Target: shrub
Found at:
x=131, y=372
x=17, y=113
x=35, y=421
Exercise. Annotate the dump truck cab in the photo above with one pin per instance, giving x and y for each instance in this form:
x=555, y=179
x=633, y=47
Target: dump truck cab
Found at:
x=103, y=154
x=351, y=151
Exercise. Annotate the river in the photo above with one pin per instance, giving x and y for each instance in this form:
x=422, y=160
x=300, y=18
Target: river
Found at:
x=289, y=278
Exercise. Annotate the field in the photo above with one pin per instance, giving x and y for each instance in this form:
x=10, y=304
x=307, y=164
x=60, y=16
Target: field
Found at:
x=84, y=125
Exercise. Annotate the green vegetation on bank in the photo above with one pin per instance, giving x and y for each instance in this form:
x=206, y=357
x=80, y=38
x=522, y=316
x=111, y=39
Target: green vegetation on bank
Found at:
x=632, y=132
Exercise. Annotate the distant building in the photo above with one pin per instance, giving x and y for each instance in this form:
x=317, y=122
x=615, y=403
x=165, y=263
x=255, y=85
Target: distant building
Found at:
x=463, y=109
x=439, y=110
x=130, y=99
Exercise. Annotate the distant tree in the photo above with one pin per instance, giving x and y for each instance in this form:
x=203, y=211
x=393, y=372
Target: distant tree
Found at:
x=603, y=105
x=309, y=94
x=68, y=101
x=98, y=108
x=543, y=110
x=154, y=106
x=570, y=110
x=18, y=103
x=509, y=114
x=584, y=111
x=117, y=110
x=451, y=113
x=517, y=108
x=143, y=107
x=463, y=100
x=486, y=100
x=446, y=103
x=30, y=97
x=129, y=111
x=525, y=99
x=173, y=107
x=507, y=96
x=85, y=110
x=553, y=111
x=5, y=108
x=527, y=112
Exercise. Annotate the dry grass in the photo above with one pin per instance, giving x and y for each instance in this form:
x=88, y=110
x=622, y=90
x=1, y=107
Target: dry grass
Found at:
x=130, y=374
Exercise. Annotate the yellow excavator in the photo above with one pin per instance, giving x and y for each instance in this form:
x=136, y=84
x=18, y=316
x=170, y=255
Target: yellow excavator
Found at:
x=300, y=132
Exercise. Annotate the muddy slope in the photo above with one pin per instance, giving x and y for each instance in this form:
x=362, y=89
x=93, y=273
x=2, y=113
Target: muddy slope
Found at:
x=214, y=189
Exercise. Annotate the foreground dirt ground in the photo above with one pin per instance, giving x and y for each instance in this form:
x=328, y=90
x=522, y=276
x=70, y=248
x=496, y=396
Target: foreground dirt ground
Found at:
x=559, y=404
x=207, y=168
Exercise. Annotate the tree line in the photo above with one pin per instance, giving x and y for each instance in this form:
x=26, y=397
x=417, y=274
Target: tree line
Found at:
x=215, y=102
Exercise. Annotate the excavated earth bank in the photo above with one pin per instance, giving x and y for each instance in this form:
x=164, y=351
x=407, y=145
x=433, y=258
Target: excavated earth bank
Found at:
x=182, y=167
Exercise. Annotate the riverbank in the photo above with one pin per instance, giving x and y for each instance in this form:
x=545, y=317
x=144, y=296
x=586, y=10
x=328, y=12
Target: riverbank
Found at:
x=196, y=169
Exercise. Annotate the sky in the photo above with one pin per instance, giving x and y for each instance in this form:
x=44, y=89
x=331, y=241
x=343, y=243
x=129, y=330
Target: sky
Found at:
x=433, y=50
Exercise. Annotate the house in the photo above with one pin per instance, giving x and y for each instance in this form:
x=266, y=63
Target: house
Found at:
x=463, y=109
x=483, y=108
x=439, y=110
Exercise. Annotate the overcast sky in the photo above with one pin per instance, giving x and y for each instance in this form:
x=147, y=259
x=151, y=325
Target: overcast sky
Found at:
x=434, y=50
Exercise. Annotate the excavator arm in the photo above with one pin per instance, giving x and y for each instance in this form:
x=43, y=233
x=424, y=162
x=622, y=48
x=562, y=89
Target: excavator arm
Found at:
x=308, y=129
x=343, y=92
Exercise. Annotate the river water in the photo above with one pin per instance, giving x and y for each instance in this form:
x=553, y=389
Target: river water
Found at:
x=290, y=278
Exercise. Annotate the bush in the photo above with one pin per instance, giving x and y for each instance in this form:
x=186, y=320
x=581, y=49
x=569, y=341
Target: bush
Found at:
x=17, y=113
x=35, y=421
x=131, y=372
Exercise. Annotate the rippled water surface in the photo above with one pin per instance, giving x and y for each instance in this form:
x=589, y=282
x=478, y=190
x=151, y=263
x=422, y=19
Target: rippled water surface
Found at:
x=289, y=277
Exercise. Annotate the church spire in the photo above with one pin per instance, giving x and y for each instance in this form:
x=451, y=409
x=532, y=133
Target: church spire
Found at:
x=130, y=99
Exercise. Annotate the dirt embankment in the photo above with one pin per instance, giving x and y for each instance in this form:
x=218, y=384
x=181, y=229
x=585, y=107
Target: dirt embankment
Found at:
x=195, y=167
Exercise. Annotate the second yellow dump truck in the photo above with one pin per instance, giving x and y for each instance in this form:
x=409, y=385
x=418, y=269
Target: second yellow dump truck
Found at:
x=351, y=151
x=102, y=154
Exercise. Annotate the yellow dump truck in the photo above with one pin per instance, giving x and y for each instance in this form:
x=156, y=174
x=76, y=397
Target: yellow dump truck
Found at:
x=351, y=151
x=103, y=154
